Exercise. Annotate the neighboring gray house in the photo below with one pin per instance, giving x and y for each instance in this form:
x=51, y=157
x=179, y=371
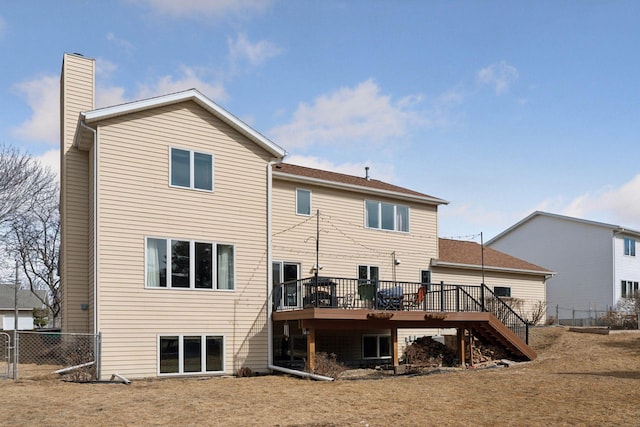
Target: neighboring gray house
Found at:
x=27, y=301
x=595, y=263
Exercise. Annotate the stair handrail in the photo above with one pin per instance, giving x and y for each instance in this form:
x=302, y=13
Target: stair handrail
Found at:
x=504, y=313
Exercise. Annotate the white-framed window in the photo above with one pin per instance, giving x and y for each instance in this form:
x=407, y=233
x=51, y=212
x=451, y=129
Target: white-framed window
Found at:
x=193, y=264
x=376, y=346
x=285, y=284
x=502, y=291
x=629, y=246
x=368, y=273
x=386, y=216
x=190, y=354
x=190, y=169
x=303, y=202
x=628, y=288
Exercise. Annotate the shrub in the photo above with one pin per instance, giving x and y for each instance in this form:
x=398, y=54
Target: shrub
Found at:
x=244, y=372
x=328, y=365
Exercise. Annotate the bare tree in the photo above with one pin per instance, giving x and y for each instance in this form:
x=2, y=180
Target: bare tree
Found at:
x=21, y=177
x=34, y=237
x=30, y=222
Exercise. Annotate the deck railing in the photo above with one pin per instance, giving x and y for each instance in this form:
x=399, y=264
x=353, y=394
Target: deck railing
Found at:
x=348, y=293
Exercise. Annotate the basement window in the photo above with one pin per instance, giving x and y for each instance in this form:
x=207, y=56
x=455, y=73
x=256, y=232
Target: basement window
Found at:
x=190, y=354
x=376, y=346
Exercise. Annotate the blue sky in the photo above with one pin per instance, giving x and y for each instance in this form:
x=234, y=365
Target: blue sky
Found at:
x=500, y=107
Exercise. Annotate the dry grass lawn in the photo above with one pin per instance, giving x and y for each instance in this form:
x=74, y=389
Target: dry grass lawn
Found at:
x=578, y=379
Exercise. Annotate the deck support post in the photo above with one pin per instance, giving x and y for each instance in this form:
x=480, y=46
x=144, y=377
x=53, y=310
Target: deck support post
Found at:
x=394, y=345
x=461, y=342
x=311, y=349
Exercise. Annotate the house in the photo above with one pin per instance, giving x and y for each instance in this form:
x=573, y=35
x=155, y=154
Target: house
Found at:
x=27, y=301
x=596, y=263
x=192, y=248
x=164, y=230
x=370, y=231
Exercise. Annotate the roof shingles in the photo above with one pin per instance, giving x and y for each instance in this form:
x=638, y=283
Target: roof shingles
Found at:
x=341, y=178
x=470, y=253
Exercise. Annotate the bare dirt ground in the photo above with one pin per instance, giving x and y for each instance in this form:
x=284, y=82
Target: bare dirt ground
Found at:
x=578, y=379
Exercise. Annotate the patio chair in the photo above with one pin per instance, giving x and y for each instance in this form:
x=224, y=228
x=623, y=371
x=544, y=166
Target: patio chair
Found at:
x=415, y=300
x=389, y=299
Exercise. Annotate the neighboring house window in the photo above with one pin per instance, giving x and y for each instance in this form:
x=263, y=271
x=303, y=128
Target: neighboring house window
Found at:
x=303, y=202
x=386, y=216
x=628, y=289
x=187, y=354
x=191, y=169
x=629, y=246
x=502, y=291
x=376, y=346
x=199, y=265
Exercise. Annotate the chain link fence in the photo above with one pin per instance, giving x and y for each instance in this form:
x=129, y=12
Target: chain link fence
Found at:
x=612, y=318
x=36, y=354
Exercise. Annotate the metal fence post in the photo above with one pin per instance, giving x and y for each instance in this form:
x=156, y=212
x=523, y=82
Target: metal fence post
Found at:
x=557, y=315
x=97, y=353
x=573, y=316
x=15, y=352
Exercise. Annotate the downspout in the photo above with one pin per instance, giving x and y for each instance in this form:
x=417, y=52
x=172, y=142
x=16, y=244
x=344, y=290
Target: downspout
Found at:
x=95, y=226
x=270, y=364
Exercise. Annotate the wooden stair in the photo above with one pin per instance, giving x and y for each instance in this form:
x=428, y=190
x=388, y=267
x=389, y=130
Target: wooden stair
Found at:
x=492, y=330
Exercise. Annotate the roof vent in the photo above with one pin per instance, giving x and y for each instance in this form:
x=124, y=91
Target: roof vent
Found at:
x=366, y=173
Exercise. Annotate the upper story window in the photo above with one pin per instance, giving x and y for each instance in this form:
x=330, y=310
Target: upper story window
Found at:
x=191, y=169
x=386, y=216
x=195, y=265
x=303, y=202
x=629, y=246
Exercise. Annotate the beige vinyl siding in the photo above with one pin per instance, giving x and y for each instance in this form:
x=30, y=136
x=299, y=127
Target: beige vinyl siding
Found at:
x=345, y=242
x=527, y=287
x=77, y=95
x=135, y=201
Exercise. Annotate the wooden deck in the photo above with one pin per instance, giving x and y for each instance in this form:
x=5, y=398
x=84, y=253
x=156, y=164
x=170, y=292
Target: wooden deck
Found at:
x=482, y=324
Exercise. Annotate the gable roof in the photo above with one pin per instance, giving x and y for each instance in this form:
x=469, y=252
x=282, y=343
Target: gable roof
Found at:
x=26, y=299
x=187, y=95
x=289, y=172
x=617, y=229
x=462, y=254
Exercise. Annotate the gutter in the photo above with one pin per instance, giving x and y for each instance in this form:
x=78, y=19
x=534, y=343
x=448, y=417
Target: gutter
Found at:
x=436, y=263
x=270, y=364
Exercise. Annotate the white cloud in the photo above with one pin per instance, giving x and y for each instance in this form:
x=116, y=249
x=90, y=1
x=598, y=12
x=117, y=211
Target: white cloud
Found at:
x=347, y=116
x=379, y=171
x=127, y=46
x=189, y=79
x=241, y=49
x=105, y=68
x=51, y=159
x=42, y=94
x=43, y=97
x=207, y=8
x=500, y=75
x=109, y=95
x=620, y=205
